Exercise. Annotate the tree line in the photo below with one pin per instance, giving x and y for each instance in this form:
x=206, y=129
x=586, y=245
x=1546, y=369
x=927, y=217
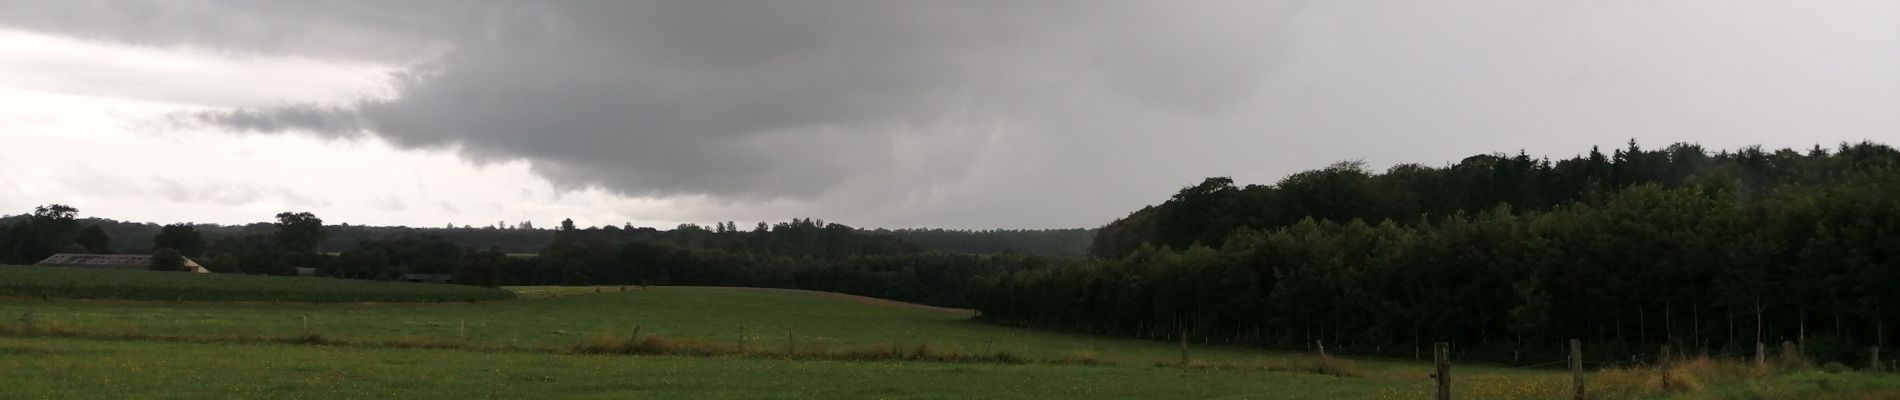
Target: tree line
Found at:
x=800, y=253
x=526, y=238
x=1706, y=252
x=1070, y=242
x=56, y=228
x=1411, y=193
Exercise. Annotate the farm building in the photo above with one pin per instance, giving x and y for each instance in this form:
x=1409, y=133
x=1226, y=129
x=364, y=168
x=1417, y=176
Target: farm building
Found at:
x=110, y=262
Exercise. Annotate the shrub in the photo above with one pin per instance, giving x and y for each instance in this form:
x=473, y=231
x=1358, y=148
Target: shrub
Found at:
x=167, y=260
x=1327, y=365
x=1689, y=375
x=656, y=345
x=1836, y=368
x=1791, y=359
x=1312, y=364
x=1080, y=358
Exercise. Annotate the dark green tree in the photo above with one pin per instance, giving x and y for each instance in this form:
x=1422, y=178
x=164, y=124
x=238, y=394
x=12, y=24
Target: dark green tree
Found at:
x=298, y=232
x=183, y=237
x=49, y=229
x=168, y=260
x=93, y=239
x=225, y=263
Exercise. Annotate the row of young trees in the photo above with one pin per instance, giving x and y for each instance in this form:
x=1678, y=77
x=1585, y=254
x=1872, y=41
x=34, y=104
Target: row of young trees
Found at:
x=1712, y=262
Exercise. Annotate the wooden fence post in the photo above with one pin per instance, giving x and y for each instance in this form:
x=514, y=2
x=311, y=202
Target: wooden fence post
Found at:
x=1322, y=347
x=1441, y=363
x=1576, y=369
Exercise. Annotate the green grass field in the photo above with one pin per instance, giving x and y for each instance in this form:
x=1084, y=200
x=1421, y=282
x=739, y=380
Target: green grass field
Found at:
x=70, y=283
x=523, y=348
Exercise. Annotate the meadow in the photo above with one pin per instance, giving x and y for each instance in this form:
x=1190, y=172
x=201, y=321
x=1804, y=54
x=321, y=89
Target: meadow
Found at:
x=72, y=283
x=769, y=344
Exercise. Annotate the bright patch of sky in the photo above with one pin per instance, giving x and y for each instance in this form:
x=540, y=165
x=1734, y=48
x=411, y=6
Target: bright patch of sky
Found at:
x=86, y=124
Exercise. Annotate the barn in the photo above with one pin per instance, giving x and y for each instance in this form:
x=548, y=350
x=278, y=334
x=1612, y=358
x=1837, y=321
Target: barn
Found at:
x=131, y=262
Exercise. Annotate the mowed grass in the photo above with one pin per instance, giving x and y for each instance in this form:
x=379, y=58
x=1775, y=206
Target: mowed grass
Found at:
x=521, y=349
x=543, y=319
x=763, y=320
x=66, y=368
x=72, y=283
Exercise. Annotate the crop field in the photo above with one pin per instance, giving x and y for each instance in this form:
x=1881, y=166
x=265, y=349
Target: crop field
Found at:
x=70, y=283
x=742, y=343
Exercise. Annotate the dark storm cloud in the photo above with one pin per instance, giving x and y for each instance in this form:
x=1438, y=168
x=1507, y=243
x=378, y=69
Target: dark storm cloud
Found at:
x=764, y=100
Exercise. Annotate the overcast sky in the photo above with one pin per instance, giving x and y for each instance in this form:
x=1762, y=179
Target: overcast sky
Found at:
x=973, y=114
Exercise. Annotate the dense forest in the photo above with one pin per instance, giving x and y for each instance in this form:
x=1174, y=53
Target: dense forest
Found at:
x=1503, y=255
x=1412, y=194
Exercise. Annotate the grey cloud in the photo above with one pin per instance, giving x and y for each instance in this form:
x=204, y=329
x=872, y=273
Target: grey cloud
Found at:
x=1040, y=113
x=356, y=30
x=87, y=181
x=226, y=193
x=321, y=118
x=787, y=99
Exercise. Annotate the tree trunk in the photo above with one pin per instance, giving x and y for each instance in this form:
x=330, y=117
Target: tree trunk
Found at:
x=1619, y=329
x=1642, y=325
x=1759, y=330
x=1697, y=314
x=1731, y=327
x=1840, y=324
